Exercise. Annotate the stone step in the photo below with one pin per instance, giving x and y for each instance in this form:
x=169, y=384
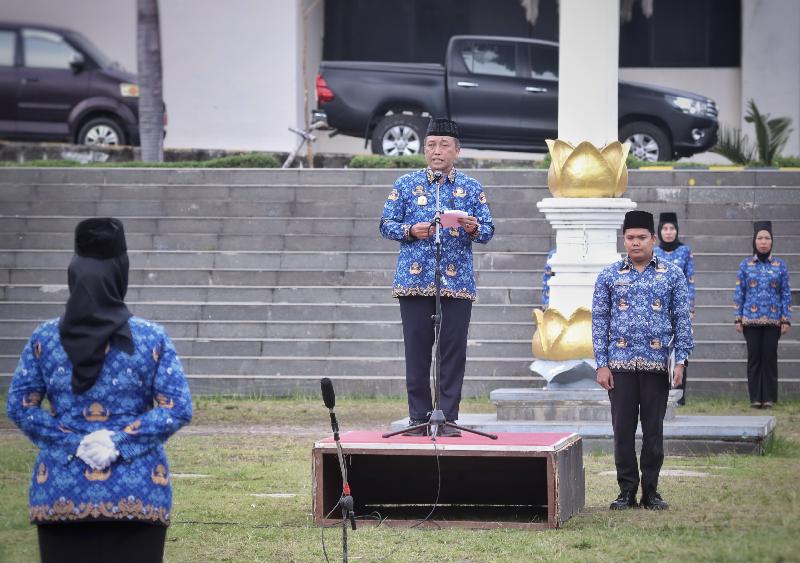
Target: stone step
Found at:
x=385, y=345
x=693, y=230
x=363, y=329
x=262, y=294
x=740, y=209
x=384, y=311
x=302, y=242
x=46, y=240
x=668, y=179
x=306, y=294
x=373, y=277
x=485, y=259
x=387, y=311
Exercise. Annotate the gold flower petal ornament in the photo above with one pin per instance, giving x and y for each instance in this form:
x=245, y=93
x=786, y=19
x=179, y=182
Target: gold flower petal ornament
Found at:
x=559, y=338
x=585, y=171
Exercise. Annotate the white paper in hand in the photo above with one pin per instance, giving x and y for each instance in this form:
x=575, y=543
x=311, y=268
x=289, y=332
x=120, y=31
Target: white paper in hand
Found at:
x=450, y=217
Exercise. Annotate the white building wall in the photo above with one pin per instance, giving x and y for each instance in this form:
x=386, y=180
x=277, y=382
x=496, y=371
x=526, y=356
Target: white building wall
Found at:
x=771, y=62
x=232, y=70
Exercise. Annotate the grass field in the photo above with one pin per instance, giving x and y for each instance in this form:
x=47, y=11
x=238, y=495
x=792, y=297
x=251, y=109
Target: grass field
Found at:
x=237, y=451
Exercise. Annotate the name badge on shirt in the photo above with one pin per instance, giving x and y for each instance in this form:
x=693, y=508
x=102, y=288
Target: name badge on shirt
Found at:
x=622, y=282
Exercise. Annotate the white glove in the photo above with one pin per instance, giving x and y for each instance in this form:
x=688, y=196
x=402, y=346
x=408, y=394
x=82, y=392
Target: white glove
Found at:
x=98, y=450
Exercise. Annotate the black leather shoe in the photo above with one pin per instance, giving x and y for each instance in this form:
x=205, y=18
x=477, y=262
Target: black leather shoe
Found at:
x=421, y=431
x=625, y=500
x=449, y=432
x=653, y=501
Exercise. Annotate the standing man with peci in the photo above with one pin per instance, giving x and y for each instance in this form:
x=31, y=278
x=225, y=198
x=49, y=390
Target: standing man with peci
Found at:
x=407, y=218
x=640, y=310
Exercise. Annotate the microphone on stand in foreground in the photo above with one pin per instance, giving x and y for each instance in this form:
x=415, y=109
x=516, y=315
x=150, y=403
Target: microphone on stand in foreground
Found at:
x=346, y=502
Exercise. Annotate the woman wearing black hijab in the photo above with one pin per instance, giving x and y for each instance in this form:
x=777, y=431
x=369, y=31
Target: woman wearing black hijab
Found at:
x=117, y=392
x=671, y=249
x=763, y=301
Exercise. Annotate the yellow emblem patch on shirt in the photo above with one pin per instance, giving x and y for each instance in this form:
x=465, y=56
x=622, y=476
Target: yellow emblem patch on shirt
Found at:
x=415, y=269
x=393, y=196
x=453, y=232
x=623, y=306
x=419, y=190
x=41, y=474
x=621, y=342
x=96, y=413
x=422, y=200
x=656, y=306
x=482, y=197
x=459, y=192
x=451, y=270
x=655, y=344
x=159, y=475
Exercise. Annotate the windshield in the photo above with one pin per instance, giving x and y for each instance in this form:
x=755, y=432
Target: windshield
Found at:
x=92, y=50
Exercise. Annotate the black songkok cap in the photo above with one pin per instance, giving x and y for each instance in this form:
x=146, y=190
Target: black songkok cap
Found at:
x=442, y=127
x=762, y=226
x=638, y=220
x=100, y=238
x=668, y=217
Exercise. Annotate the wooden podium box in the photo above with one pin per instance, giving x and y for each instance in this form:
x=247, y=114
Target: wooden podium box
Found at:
x=520, y=480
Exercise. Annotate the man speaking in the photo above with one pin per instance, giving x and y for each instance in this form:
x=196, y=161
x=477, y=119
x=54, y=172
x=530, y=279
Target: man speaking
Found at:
x=408, y=218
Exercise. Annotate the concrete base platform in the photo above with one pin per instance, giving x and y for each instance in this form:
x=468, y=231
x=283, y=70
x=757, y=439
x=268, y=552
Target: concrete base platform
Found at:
x=683, y=435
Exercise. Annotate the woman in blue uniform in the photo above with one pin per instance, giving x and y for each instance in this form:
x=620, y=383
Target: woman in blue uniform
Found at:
x=763, y=301
x=116, y=391
x=671, y=249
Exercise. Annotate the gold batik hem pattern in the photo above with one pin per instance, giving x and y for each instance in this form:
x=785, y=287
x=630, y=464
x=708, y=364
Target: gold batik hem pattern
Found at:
x=761, y=321
x=430, y=291
x=125, y=509
x=637, y=364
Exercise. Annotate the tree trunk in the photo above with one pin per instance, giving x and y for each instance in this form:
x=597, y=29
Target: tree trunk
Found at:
x=151, y=93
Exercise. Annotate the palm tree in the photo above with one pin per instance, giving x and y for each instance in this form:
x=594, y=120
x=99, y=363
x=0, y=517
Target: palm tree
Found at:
x=151, y=92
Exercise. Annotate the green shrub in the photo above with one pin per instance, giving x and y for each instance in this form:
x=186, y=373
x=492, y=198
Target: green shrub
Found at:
x=237, y=161
x=242, y=161
x=382, y=161
x=793, y=161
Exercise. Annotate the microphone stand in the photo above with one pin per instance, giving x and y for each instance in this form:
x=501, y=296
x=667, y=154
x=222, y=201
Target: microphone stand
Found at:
x=437, y=419
x=346, y=500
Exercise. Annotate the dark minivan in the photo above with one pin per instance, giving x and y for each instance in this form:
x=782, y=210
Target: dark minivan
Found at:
x=55, y=85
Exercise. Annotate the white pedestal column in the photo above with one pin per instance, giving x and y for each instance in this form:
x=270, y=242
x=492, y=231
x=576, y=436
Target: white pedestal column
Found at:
x=586, y=242
x=588, y=71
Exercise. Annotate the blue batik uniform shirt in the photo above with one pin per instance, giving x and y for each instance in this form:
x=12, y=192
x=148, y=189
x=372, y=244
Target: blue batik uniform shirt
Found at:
x=143, y=398
x=413, y=200
x=763, y=296
x=635, y=315
x=683, y=258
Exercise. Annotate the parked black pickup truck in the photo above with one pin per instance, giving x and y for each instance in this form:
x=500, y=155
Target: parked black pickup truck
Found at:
x=503, y=93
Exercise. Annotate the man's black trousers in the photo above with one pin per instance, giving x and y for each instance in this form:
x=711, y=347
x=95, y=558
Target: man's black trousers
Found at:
x=762, y=362
x=638, y=395
x=418, y=336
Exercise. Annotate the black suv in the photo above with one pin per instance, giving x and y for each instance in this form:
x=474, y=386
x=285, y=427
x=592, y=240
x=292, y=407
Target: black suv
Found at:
x=55, y=85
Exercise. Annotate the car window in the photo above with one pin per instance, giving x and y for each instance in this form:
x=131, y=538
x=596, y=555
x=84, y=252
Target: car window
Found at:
x=497, y=59
x=544, y=62
x=44, y=49
x=7, y=42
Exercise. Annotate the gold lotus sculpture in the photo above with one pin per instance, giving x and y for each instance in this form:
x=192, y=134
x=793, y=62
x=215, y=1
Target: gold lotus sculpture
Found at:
x=559, y=338
x=586, y=171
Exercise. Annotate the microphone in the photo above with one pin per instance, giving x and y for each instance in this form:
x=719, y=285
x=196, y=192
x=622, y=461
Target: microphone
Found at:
x=346, y=501
x=329, y=398
x=437, y=176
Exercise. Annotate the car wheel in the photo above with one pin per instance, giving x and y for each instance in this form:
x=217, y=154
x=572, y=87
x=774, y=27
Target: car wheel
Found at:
x=398, y=134
x=648, y=141
x=101, y=131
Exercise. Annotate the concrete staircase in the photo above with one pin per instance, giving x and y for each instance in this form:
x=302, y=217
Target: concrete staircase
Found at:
x=268, y=280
